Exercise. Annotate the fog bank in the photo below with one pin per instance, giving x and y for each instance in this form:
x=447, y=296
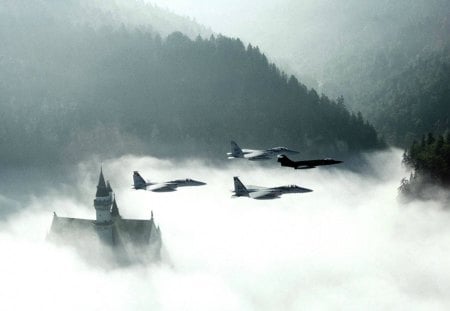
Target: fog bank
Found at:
x=347, y=245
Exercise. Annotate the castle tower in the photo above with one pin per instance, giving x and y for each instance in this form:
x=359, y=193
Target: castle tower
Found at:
x=115, y=210
x=102, y=204
x=122, y=240
x=108, y=188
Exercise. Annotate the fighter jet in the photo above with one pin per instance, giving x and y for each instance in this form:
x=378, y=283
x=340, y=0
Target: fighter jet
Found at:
x=254, y=155
x=301, y=165
x=263, y=193
x=141, y=183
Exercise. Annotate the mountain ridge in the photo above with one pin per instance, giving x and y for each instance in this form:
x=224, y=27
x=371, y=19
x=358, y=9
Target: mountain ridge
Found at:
x=69, y=91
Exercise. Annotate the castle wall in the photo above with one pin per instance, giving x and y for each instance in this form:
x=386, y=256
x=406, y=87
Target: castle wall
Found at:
x=102, y=209
x=105, y=233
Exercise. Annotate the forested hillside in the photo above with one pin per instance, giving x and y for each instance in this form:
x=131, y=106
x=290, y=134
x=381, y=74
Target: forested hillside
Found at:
x=382, y=40
x=132, y=14
x=398, y=74
x=414, y=102
x=73, y=90
x=430, y=161
x=375, y=53
x=396, y=69
x=347, y=46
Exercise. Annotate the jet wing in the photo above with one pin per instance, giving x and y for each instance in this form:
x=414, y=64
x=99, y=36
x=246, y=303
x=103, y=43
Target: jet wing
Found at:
x=247, y=151
x=303, y=166
x=177, y=182
x=186, y=182
x=252, y=188
x=264, y=194
x=314, y=163
x=257, y=155
x=162, y=187
x=244, y=153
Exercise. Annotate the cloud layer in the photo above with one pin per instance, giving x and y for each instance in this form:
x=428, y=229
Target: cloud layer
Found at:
x=347, y=245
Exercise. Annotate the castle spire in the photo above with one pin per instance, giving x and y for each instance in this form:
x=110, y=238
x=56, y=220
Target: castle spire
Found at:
x=108, y=186
x=102, y=205
x=115, y=209
x=102, y=190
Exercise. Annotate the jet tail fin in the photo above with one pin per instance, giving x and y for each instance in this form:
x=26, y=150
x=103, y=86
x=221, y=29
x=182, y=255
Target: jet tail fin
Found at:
x=239, y=188
x=139, y=182
x=285, y=161
x=236, y=151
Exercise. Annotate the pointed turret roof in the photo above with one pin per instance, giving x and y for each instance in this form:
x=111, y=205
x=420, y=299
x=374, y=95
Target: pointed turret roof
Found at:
x=102, y=191
x=114, y=209
x=108, y=186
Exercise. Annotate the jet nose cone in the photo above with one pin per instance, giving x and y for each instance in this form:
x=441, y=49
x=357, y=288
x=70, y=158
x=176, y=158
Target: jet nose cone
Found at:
x=199, y=183
x=305, y=190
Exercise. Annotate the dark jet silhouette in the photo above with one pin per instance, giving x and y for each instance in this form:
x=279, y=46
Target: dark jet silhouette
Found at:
x=285, y=161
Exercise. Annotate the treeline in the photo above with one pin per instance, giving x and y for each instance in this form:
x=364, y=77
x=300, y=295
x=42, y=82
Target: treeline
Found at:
x=415, y=101
x=70, y=91
x=391, y=61
x=430, y=161
x=132, y=14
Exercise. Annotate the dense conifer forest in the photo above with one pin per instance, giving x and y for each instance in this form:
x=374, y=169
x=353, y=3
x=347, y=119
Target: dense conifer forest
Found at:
x=414, y=102
x=71, y=90
x=389, y=59
x=430, y=161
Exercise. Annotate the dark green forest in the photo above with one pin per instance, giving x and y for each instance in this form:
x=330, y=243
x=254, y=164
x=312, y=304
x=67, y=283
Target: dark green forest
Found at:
x=430, y=161
x=414, y=102
x=68, y=91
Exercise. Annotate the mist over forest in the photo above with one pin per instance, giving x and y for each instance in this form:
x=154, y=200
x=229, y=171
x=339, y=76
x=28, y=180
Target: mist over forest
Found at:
x=162, y=86
x=73, y=89
x=388, y=59
x=111, y=77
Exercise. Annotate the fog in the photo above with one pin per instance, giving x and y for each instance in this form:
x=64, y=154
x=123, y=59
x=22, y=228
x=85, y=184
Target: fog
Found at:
x=82, y=78
x=232, y=18
x=334, y=46
x=348, y=245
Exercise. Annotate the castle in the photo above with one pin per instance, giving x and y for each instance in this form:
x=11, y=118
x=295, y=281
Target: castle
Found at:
x=108, y=238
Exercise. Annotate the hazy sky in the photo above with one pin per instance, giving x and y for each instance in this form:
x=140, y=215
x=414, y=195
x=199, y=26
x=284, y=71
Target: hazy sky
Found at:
x=348, y=245
x=227, y=17
x=270, y=24
x=285, y=30
x=307, y=37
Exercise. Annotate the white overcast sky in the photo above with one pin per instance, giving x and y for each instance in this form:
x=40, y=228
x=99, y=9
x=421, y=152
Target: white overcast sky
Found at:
x=232, y=17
